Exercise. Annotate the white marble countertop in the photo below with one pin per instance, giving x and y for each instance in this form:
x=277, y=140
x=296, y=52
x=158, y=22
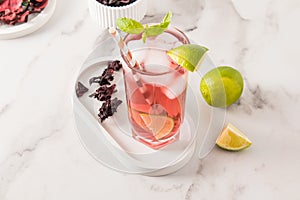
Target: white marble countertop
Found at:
x=41, y=157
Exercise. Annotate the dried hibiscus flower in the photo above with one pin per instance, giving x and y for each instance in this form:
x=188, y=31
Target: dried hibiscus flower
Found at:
x=108, y=108
x=104, y=79
x=107, y=74
x=115, y=65
x=104, y=92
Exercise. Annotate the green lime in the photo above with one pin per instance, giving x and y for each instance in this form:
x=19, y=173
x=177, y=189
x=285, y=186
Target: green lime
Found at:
x=188, y=56
x=222, y=86
x=232, y=139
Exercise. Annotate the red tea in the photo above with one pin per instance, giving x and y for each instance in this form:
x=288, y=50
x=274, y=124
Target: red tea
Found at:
x=156, y=106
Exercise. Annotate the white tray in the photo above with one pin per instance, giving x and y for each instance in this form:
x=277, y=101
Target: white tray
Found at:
x=115, y=148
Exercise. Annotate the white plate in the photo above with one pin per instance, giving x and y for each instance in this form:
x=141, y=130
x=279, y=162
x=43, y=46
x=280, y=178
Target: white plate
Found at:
x=202, y=122
x=35, y=22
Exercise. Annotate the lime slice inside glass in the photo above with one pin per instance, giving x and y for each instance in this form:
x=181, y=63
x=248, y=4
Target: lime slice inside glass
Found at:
x=232, y=139
x=222, y=86
x=188, y=56
x=159, y=125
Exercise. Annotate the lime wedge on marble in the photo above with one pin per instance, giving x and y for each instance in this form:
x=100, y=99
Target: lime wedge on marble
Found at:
x=232, y=139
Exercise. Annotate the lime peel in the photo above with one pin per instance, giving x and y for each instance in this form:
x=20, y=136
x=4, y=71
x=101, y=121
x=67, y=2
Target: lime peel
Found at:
x=222, y=86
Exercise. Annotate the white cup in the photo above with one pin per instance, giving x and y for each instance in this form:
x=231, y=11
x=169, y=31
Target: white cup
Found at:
x=105, y=16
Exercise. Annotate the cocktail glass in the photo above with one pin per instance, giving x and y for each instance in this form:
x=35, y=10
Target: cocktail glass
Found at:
x=155, y=91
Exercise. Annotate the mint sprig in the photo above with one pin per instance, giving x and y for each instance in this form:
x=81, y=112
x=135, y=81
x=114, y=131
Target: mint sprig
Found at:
x=132, y=26
x=129, y=25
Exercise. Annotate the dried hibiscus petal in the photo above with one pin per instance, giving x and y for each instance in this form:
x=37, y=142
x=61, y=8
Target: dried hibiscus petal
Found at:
x=104, y=93
x=104, y=79
x=107, y=75
x=108, y=108
x=115, y=104
x=101, y=80
x=115, y=65
x=94, y=80
x=81, y=89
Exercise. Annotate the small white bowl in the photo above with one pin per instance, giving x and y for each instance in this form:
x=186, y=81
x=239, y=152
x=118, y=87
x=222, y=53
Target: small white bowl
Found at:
x=105, y=16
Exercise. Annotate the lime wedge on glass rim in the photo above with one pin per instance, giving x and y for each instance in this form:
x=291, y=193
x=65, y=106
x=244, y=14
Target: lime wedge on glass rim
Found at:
x=232, y=139
x=188, y=56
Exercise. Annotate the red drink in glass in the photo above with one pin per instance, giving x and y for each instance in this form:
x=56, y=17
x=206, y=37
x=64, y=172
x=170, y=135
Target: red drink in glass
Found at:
x=156, y=104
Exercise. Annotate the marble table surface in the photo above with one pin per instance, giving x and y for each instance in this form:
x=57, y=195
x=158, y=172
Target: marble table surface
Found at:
x=41, y=156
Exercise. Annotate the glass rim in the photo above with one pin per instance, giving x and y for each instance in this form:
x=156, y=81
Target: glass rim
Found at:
x=169, y=30
x=150, y=73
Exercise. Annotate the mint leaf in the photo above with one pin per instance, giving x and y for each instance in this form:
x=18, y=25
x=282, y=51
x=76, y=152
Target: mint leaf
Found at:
x=167, y=20
x=154, y=30
x=159, y=28
x=134, y=27
x=129, y=25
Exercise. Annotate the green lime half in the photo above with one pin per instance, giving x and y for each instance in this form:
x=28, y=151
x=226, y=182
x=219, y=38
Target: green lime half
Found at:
x=222, y=86
x=188, y=56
